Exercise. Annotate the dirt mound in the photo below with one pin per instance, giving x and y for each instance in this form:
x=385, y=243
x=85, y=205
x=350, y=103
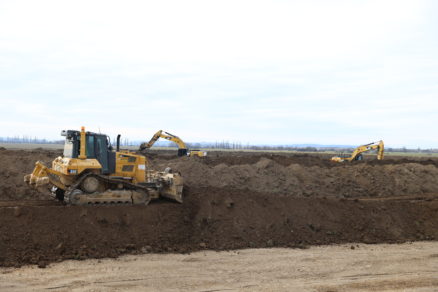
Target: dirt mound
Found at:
x=273, y=174
x=271, y=177
x=287, y=158
x=210, y=218
x=14, y=165
x=234, y=201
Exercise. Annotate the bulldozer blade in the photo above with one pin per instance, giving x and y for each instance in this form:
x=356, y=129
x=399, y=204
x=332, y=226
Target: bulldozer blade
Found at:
x=174, y=189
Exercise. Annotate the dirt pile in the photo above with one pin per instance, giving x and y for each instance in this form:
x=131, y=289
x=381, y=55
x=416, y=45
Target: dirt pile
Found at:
x=233, y=201
x=310, y=178
x=273, y=174
x=14, y=165
x=209, y=219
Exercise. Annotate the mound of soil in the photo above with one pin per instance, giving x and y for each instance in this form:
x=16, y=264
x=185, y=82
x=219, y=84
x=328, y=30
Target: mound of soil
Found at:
x=272, y=174
x=231, y=201
x=14, y=165
x=287, y=158
x=210, y=218
x=272, y=177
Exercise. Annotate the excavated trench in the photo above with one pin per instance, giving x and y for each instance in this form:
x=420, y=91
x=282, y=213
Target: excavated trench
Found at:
x=231, y=201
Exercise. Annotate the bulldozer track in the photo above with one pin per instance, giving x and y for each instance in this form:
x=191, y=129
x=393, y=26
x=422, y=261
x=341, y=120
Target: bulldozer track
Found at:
x=109, y=201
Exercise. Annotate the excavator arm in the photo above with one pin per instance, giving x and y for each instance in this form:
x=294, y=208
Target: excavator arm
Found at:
x=147, y=145
x=381, y=150
x=182, y=148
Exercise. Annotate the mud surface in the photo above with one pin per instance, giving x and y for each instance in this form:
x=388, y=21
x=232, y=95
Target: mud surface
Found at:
x=233, y=202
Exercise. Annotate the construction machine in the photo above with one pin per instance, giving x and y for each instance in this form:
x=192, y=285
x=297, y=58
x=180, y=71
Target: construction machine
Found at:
x=357, y=153
x=182, y=148
x=90, y=171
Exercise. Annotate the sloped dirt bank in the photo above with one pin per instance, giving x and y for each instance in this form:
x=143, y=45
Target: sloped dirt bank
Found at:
x=210, y=218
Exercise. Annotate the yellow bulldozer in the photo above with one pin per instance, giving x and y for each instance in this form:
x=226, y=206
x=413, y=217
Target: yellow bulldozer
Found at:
x=182, y=148
x=90, y=171
x=357, y=153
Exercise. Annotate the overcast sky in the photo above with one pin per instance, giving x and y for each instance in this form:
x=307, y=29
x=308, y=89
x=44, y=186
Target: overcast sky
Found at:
x=259, y=72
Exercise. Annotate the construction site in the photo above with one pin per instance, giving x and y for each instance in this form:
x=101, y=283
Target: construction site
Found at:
x=98, y=216
x=217, y=146
x=230, y=201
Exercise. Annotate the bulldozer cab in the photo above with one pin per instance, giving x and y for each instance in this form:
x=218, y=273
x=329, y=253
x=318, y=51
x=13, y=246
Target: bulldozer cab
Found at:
x=97, y=147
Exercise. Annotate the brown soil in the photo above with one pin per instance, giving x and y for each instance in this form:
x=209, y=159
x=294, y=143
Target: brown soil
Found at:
x=304, y=175
x=209, y=219
x=14, y=164
x=244, y=201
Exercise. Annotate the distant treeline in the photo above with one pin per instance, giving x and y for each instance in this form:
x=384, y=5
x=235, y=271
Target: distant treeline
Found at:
x=220, y=145
x=237, y=146
x=28, y=140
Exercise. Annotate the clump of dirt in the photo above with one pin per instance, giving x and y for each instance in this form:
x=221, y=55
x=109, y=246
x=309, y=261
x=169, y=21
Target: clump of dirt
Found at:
x=210, y=218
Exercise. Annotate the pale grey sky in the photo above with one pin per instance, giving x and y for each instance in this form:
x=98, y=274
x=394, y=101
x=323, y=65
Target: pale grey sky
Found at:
x=268, y=72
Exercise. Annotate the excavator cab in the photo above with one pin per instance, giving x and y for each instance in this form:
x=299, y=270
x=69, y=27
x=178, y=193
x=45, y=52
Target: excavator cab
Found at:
x=182, y=152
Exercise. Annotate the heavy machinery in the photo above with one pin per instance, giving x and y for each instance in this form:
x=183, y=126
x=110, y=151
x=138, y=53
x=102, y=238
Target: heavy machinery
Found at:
x=91, y=172
x=182, y=148
x=357, y=153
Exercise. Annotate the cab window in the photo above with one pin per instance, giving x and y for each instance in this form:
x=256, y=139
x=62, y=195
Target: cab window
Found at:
x=68, y=148
x=90, y=147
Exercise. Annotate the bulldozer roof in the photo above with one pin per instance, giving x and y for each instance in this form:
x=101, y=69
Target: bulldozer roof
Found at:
x=71, y=133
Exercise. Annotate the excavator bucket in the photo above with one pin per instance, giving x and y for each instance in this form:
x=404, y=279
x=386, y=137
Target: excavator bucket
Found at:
x=337, y=159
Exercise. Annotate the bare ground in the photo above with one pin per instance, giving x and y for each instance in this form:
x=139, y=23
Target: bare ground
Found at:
x=353, y=267
x=232, y=201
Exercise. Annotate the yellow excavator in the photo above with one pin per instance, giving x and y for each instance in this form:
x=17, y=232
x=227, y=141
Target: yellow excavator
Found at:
x=357, y=153
x=182, y=148
x=90, y=171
